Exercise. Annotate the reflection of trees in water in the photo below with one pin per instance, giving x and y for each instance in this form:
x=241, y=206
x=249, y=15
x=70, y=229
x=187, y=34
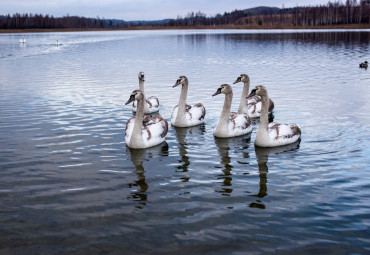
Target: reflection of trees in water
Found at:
x=183, y=146
x=262, y=155
x=331, y=38
x=224, y=145
x=137, y=158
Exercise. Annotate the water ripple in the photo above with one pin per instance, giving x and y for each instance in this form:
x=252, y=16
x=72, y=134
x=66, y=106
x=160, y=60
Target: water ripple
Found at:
x=69, y=181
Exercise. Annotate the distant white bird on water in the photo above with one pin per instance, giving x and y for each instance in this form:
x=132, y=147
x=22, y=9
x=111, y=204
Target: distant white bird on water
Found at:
x=22, y=40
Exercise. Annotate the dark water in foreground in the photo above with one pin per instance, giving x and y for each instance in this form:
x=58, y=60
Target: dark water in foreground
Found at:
x=69, y=185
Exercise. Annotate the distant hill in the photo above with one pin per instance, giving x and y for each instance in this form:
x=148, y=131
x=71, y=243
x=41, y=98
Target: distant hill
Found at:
x=262, y=10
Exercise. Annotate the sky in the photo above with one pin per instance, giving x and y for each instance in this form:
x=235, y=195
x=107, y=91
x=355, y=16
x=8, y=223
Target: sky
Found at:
x=139, y=9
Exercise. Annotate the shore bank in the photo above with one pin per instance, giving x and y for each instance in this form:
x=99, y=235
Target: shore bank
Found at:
x=46, y=30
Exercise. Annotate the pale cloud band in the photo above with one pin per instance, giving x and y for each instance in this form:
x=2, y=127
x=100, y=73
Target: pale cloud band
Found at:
x=139, y=9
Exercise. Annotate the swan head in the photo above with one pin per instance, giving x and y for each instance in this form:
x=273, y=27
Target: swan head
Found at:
x=242, y=78
x=259, y=91
x=181, y=80
x=224, y=89
x=135, y=95
x=141, y=76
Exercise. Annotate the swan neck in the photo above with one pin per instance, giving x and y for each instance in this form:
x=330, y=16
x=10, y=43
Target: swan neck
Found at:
x=264, y=122
x=141, y=86
x=225, y=114
x=243, y=99
x=182, y=101
x=136, y=133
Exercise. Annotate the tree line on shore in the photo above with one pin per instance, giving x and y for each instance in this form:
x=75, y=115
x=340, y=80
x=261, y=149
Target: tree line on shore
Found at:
x=333, y=13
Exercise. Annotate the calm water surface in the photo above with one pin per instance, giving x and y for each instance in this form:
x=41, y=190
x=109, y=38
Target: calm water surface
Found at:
x=69, y=184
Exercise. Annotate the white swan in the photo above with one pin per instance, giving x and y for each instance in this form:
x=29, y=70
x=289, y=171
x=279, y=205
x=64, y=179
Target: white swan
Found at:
x=152, y=103
x=184, y=115
x=143, y=132
x=22, y=40
x=251, y=105
x=273, y=134
x=231, y=123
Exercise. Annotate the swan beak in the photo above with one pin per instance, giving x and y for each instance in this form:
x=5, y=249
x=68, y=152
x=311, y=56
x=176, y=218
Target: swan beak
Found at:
x=131, y=99
x=217, y=92
x=239, y=79
x=177, y=83
x=253, y=93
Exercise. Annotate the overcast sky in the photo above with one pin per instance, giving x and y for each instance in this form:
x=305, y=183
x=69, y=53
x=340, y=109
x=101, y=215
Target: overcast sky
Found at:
x=139, y=9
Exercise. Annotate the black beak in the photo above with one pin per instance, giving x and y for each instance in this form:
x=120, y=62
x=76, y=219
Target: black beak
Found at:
x=131, y=99
x=239, y=79
x=177, y=83
x=217, y=92
x=253, y=93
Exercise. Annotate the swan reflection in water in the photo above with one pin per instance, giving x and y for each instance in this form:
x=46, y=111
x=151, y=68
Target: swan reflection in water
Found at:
x=224, y=145
x=262, y=155
x=181, y=133
x=138, y=156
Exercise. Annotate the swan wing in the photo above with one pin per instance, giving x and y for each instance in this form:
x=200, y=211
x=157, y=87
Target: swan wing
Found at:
x=174, y=114
x=284, y=133
x=239, y=124
x=254, y=106
x=196, y=113
x=155, y=130
x=153, y=102
x=129, y=129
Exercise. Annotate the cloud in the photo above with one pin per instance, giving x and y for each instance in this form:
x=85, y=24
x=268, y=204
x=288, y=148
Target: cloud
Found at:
x=138, y=9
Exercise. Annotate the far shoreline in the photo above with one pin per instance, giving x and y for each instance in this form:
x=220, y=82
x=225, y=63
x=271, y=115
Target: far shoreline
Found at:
x=228, y=27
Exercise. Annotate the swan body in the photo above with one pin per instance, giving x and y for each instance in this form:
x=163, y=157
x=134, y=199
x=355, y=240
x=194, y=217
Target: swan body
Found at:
x=364, y=64
x=151, y=103
x=231, y=124
x=184, y=115
x=22, y=40
x=273, y=134
x=251, y=105
x=144, y=132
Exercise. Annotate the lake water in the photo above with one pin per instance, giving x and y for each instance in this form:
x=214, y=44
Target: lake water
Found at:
x=69, y=184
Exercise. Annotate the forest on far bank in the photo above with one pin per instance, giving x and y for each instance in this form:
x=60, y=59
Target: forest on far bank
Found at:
x=333, y=13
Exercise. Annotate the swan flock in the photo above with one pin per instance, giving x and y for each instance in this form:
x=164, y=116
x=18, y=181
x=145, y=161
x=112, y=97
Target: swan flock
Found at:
x=145, y=129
